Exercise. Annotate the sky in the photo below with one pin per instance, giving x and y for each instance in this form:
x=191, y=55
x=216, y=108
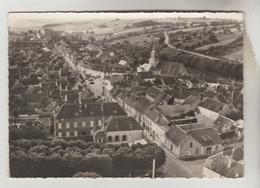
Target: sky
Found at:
x=15, y=19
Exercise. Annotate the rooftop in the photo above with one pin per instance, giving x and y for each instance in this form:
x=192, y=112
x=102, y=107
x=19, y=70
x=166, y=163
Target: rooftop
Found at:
x=122, y=124
x=172, y=69
x=205, y=136
x=212, y=105
x=71, y=111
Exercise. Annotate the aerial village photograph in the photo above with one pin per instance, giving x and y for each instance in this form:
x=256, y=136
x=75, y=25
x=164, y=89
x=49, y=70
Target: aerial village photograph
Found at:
x=129, y=95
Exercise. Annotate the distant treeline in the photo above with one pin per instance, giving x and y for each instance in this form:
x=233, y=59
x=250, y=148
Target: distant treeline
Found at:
x=222, y=67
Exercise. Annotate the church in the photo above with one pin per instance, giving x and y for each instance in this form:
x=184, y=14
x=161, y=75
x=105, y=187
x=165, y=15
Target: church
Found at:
x=165, y=68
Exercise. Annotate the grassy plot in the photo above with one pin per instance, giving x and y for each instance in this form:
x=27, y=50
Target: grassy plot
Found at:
x=237, y=55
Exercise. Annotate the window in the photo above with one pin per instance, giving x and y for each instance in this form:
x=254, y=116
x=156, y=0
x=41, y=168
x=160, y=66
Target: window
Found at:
x=59, y=134
x=171, y=147
x=191, y=145
x=83, y=124
x=75, y=124
x=67, y=134
x=116, y=138
x=59, y=126
x=67, y=125
x=91, y=124
x=99, y=123
x=83, y=133
x=144, y=125
x=75, y=133
x=124, y=138
x=109, y=139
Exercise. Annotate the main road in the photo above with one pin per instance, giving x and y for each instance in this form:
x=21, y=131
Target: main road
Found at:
x=174, y=166
x=178, y=168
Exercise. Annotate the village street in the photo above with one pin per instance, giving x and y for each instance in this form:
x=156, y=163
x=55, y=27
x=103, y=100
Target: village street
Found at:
x=174, y=166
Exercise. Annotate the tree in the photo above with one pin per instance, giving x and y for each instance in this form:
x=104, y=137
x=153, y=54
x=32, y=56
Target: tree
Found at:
x=26, y=132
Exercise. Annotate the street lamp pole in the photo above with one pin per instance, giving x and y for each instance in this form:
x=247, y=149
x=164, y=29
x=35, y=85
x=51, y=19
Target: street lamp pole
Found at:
x=153, y=174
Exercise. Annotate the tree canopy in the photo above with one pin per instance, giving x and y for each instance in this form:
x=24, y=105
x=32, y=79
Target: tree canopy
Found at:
x=59, y=158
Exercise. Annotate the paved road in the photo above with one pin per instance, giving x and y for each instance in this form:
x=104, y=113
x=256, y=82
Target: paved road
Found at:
x=166, y=41
x=175, y=167
x=179, y=168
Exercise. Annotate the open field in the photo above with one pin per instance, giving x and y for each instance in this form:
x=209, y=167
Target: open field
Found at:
x=237, y=55
x=221, y=43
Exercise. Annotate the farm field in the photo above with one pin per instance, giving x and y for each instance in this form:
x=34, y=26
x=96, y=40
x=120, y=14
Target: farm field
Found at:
x=221, y=43
x=237, y=55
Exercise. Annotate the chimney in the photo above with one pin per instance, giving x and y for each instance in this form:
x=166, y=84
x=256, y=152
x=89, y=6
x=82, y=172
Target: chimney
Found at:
x=66, y=98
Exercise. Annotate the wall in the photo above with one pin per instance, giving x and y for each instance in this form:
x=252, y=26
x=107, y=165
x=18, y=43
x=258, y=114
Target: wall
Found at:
x=80, y=129
x=132, y=136
x=208, y=113
x=154, y=133
x=172, y=147
x=186, y=150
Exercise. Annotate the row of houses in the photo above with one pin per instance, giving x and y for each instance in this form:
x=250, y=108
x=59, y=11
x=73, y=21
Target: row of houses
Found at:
x=192, y=127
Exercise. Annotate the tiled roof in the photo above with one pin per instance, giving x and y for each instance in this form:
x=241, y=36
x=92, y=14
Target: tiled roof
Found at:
x=237, y=154
x=154, y=115
x=145, y=75
x=155, y=93
x=220, y=98
x=176, y=135
x=169, y=80
x=122, y=124
x=142, y=104
x=206, y=136
x=219, y=164
x=212, y=105
x=174, y=110
x=191, y=100
x=222, y=123
x=131, y=99
x=172, y=69
x=71, y=111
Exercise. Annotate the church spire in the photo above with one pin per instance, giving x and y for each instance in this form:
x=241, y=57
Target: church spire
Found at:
x=153, y=61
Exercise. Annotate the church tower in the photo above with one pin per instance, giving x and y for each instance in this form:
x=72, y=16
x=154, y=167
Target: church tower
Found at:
x=153, y=61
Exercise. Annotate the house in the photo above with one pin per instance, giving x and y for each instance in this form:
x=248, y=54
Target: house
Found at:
x=142, y=104
x=83, y=120
x=230, y=134
x=179, y=114
x=154, y=94
x=210, y=108
x=128, y=103
x=227, y=164
x=154, y=125
x=123, y=130
x=192, y=143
